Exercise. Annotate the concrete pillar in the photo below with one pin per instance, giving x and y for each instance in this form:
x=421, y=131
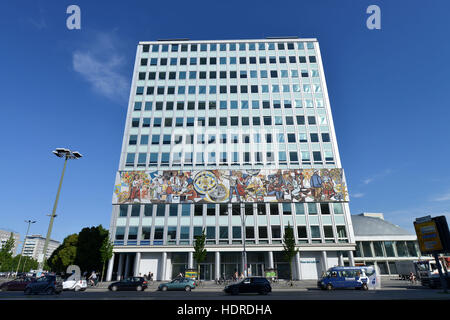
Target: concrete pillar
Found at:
x=110, y=268
x=163, y=266
x=190, y=260
x=298, y=266
x=341, y=259
x=324, y=261
x=127, y=265
x=137, y=262
x=120, y=267
x=217, y=265
x=351, y=259
x=270, y=256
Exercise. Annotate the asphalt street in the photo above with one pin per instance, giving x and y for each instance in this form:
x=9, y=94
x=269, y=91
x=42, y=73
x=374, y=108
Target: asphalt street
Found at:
x=304, y=290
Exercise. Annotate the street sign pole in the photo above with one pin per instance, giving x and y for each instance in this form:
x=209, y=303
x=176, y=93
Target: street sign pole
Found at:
x=441, y=275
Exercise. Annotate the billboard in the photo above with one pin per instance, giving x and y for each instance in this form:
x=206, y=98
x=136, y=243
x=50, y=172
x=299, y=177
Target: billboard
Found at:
x=224, y=186
x=432, y=234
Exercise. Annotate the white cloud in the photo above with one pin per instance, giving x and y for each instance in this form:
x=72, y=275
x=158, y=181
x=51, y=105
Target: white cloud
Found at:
x=100, y=66
x=377, y=176
x=443, y=197
x=358, y=195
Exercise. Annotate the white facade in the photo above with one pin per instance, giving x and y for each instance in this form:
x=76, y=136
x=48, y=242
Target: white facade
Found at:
x=34, y=246
x=244, y=105
x=4, y=237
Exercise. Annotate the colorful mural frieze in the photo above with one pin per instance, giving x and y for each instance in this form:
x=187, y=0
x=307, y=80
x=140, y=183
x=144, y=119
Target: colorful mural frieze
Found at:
x=222, y=186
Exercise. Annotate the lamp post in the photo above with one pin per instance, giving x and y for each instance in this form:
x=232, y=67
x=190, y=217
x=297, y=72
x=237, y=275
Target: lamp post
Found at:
x=23, y=245
x=60, y=153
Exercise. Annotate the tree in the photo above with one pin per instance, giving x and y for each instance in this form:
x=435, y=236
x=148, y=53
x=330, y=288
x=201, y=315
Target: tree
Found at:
x=6, y=259
x=90, y=240
x=199, y=250
x=64, y=255
x=106, y=252
x=289, y=247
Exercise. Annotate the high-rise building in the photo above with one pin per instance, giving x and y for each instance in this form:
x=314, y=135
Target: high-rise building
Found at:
x=236, y=138
x=34, y=246
x=5, y=236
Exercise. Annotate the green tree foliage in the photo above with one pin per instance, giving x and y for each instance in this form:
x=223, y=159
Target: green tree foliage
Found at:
x=64, y=255
x=90, y=240
x=6, y=259
x=106, y=252
x=199, y=250
x=289, y=246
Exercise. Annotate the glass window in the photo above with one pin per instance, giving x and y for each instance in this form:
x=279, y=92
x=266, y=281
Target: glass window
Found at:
x=412, y=251
x=328, y=231
x=160, y=210
x=341, y=231
x=120, y=233
x=276, y=232
x=315, y=232
x=148, y=210
x=123, y=211
x=367, y=250
x=237, y=232
x=402, y=250
x=299, y=208
x=312, y=208
x=184, y=232
x=389, y=246
x=301, y=231
x=223, y=232
x=262, y=232
x=378, y=248
x=135, y=209
x=210, y=232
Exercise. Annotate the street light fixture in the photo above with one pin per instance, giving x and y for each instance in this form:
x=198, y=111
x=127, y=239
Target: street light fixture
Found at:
x=60, y=153
x=23, y=245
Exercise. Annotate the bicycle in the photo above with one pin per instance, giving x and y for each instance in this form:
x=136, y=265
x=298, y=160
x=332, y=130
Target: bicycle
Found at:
x=199, y=284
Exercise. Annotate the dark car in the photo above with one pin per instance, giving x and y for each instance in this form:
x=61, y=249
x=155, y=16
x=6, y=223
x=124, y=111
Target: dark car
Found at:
x=49, y=284
x=128, y=284
x=18, y=284
x=250, y=285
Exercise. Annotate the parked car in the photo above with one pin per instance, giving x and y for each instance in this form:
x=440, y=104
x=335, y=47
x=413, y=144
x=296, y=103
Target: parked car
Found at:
x=348, y=277
x=185, y=284
x=3, y=274
x=18, y=284
x=250, y=285
x=75, y=284
x=49, y=284
x=132, y=283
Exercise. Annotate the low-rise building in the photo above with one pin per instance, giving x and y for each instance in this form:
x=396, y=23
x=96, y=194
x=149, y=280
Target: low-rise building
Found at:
x=381, y=243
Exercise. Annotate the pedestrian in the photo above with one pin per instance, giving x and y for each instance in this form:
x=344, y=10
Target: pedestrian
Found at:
x=412, y=278
x=242, y=276
x=235, y=276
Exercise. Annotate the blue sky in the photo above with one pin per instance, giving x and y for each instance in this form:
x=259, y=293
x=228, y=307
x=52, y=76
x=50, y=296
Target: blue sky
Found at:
x=69, y=88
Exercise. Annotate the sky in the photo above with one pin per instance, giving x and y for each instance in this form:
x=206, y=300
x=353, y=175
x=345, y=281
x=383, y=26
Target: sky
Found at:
x=388, y=91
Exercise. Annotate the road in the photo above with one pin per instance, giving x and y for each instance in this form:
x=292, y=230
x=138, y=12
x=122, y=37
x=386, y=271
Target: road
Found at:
x=390, y=290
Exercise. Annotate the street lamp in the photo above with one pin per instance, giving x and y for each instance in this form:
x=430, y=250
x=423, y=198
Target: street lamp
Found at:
x=60, y=153
x=23, y=245
x=243, y=218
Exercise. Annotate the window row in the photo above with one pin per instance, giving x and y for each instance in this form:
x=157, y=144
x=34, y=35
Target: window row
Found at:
x=369, y=249
x=194, y=47
x=193, y=61
x=223, y=138
x=173, y=233
x=242, y=74
x=226, y=121
x=225, y=105
x=186, y=210
x=274, y=88
x=236, y=158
